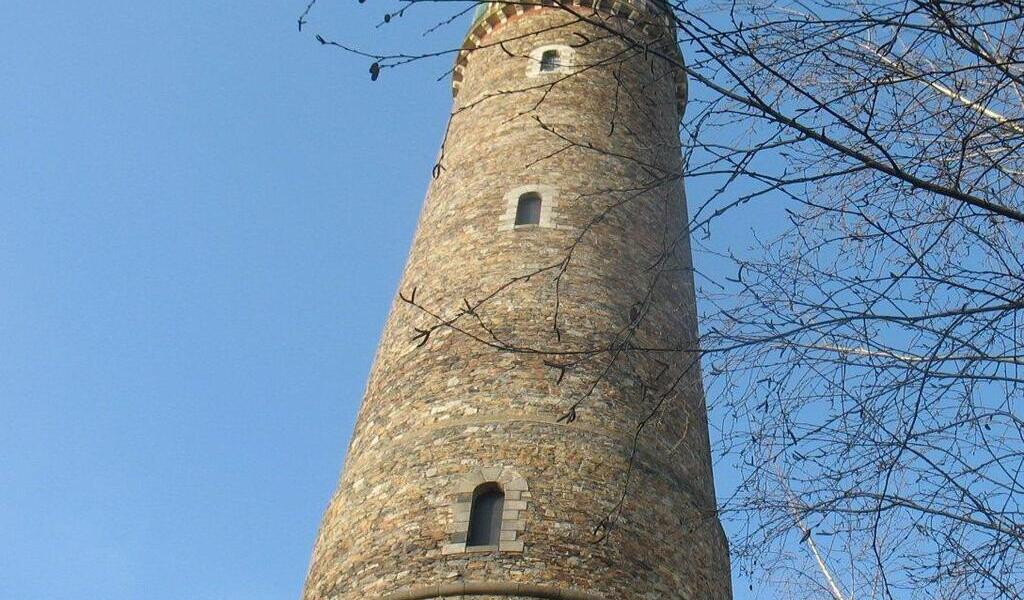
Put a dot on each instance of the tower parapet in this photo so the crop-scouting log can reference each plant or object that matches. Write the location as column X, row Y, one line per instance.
column 462, row 477
column 649, row 20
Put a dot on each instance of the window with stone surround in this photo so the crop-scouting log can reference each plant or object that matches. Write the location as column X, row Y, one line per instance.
column 534, row 205
column 549, row 59
column 491, row 501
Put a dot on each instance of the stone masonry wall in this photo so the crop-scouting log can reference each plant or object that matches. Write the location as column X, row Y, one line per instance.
column 603, row 139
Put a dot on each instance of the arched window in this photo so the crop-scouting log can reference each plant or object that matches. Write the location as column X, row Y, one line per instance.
column 485, row 515
column 549, row 61
column 550, row 58
column 528, row 209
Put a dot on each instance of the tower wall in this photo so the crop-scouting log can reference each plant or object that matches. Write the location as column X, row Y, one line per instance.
column 439, row 419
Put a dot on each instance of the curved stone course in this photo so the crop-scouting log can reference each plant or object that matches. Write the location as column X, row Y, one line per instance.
column 503, row 590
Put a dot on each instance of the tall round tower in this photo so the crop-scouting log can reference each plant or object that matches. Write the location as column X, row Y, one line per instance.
column 534, row 424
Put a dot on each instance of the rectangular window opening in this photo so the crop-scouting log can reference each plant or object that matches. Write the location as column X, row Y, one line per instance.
column 528, row 209
column 549, row 61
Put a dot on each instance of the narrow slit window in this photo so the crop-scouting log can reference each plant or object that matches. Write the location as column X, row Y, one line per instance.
column 485, row 515
column 528, row 209
column 549, row 61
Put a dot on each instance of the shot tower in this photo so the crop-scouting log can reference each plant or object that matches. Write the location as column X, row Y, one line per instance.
column 499, row 457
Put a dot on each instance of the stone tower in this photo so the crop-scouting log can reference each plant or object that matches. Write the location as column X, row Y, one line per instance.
column 469, row 474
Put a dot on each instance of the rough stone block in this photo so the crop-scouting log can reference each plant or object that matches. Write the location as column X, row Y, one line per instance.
column 516, row 546
column 513, row 525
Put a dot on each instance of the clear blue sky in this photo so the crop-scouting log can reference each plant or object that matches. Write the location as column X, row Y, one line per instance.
column 203, row 217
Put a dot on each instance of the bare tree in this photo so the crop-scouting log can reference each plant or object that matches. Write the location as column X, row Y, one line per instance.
column 863, row 361
column 890, row 304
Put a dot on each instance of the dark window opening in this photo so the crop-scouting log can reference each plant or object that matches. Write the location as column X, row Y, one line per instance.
column 485, row 515
column 528, row 210
column 549, row 60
